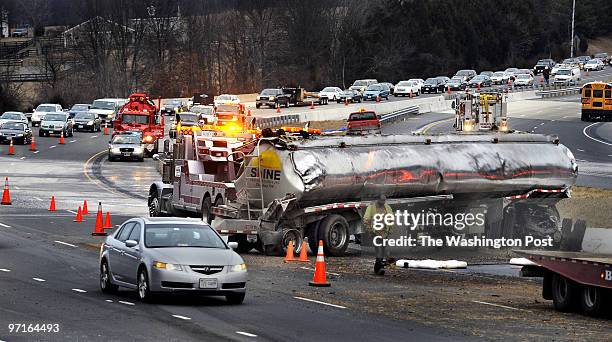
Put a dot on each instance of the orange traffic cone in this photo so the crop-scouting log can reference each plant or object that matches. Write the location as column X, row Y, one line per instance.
column 85, row 211
column 6, row 195
column 99, row 228
column 346, row 101
column 448, row 89
column 289, row 257
column 478, row 86
column 311, row 104
column 33, row 144
column 278, row 107
column 320, row 276
column 410, row 95
column 105, row 128
column 377, row 98
column 79, row 216
column 304, row 251
column 107, row 222
column 62, row 142
column 52, row 204
column 11, row 149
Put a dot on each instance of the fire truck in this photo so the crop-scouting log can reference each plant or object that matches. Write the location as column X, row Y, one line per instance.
column 140, row 114
column 478, row 112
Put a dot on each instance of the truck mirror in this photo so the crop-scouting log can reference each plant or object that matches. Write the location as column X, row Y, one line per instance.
column 155, row 157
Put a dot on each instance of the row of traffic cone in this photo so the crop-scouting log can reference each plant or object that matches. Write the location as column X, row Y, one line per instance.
column 320, row 274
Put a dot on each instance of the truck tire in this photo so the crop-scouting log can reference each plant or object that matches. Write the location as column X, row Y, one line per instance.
column 334, row 231
column 155, row 206
column 207, row 210
column 592, row 300
column 291, row 234
column 564, row 293
column 244, row 246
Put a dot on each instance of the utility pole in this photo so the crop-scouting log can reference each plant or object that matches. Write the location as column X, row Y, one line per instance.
column 572, row 37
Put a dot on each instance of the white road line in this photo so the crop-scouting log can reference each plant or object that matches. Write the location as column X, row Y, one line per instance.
column 4, row 270
column 79, row 290
column 39, row 280
column 541, row 124
column 16, row 187
column 52, row 146
column 4, row 225
column 246, row 334
column 37, row 198
column 319, row 302
column 579, row 150
column 108, row 301
column 584, row 131
column 35, row 152
column 499, row 306
column 182, row 317
column 22, row 158
column 72, row 141
column 126, row 303
column 94, row 136
column 65, row 243
column 71, row 211
column 535, row 127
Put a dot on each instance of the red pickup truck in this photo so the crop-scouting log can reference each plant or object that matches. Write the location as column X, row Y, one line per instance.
column 363, row 122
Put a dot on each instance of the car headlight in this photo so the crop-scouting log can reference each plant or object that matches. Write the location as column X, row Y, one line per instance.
column 20, row 135
column 138, row 150
column 272, row 98
column 165, row 266
column 237, row 268
column 90, row 122
column 115, row 150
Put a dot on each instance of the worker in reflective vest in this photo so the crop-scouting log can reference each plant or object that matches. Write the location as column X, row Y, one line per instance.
column 374, row 220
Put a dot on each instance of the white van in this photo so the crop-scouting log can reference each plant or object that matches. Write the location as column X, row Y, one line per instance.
column 106, row 108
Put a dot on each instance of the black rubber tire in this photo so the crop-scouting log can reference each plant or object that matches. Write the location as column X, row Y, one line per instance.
column 244, row 246
column 294, row 235
column 331, row 231
column 41, row 133
column 257, row 105
column 144, row 294
column 564, row 293
column 593, row 300
column 105, row 279
column 155, row 207
column 235, row 298
column 312, row 232
column 207, row 209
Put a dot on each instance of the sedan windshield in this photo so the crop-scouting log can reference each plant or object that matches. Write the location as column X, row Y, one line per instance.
column 98, row 104
column 55, row 117
column 79, row 107
column 181, row 235
column 14, row 126
column 133, row 118
column 126, row 139
column 84, row 116
column 431, row 81
column 499, row 74
column 375, row 87
column 360, row 83
column 329, row 89
column 187, row 117
column 46, row 109
column 269, row 92
column 564, row 72
column 202, row 110
column 403, row 83
column 523, row 76
column 10, row 116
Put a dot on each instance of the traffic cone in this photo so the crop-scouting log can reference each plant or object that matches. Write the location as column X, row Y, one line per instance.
column 11, row 149
column 33, row 144
column 320, row 276
column 312, row 105
column 107, row 222
column 478, row 86
column 377, row 98
column 448, row 89
column 6, row 195
column 79, row 216
column 85, row 211
column 62, row 142
column 99, row 228
column 304, row 251
column 346, row 102
column 278, row 107
column 106, row 128
column 410, row 95
column 52, row 204
column 289, row 257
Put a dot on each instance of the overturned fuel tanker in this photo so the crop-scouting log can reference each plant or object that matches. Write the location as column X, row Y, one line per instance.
column 265, row 192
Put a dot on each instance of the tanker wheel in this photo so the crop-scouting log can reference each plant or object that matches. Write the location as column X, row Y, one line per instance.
column 593, row 300
column 312, row 231
column 564, row 293
column 334, row 231
column 207, row 210
column 291, row 234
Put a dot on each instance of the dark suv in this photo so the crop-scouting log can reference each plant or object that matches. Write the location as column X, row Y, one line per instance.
column 433, row 85
column 272, row 97
column 542, row 64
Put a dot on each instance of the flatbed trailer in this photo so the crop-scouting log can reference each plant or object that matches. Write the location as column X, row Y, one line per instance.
column 574, row 281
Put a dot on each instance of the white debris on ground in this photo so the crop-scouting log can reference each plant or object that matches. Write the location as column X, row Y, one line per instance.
column 521, row 262
column 431, row 264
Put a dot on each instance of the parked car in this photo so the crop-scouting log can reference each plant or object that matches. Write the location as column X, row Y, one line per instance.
column 17, row 131
column 362, row 85
column 56, row 123
column 169, row 255
column 567, row 76
column 107, row 108
column 391, row 87
column 433, row 85
column 583, row 60
column 542, row 64
column 79, row 108
column 457, row 83
column 363, row 122
column 12, row 117
column 420, row 81
column 512, row 73
column 480, row 81
column 350, row 96
column 226, row 99
column 332, row 93
column 523, row 80
column 467, row 74
column 126, row 146
column 524, row 71
column 87, row 122
column 444, row 79
column 487, row 73
column 603, row 56
column 594, row 65
column 20, row 32
column 171, row 107
column 375, row 91
column 572, row 62
column 206, row 113
column 500, row 77
column 556, row 68
column 43, row 109
column 272, row 97
column 407, row 88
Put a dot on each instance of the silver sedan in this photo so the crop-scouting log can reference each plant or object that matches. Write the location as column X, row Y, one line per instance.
column 155, row 255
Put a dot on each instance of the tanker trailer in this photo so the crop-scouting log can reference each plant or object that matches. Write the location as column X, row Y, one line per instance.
column 320, row 187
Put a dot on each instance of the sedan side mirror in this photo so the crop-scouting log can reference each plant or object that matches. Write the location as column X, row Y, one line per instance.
column 233, row 245
column 131, row 243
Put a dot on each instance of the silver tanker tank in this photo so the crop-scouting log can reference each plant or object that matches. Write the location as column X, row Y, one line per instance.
column 342, row 169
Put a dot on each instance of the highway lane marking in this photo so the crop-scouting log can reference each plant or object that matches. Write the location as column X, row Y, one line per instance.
column 246, row 334
column 65, row 243
column 4, row 270
column 320, row 302
column 79, row 290
column 18, row 188
column 35, row 152
column 584, row 131
column 541, row 124
column 71, row 211
column 40, row 280
column 499, row 305
column 97, row 182
column 312, row 269
column 579, row 150
column 53, row 146
column 431, row 125
column 37, row 198
column 22, row 158
column 4, row 225
column 126, row 303
column 72, row 141
column 185, row 318
column 94, row 136
column 108, row 301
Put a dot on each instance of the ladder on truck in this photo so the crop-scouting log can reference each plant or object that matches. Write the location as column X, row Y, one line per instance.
column 259, row 198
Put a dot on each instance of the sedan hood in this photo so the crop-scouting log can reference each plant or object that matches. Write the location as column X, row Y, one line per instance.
column 11, row 131
column 196, row 256
column 54, row 123
column 125, row 145
column 101, row 111
column 8, row 120
column 372, row 92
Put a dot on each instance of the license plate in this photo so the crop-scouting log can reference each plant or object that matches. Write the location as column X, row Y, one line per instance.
column 126, row 154
column 208, row 283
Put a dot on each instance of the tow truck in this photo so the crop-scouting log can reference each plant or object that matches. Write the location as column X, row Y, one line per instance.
column 234, row 118
column 142, row 115
column 481, row 112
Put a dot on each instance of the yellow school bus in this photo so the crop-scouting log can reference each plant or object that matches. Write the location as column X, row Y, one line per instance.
column 596, row 101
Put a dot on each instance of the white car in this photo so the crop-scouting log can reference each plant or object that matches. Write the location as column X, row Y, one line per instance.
column 500, row 77
column 13, row 116
column 420, row 81
column 106, row 108
column 206, row 113
column 593, row 65
column 332, row 93
column 407, row 88
column 567, row 76
column 556, row 68
column 362, row 85
column 226, row 99
column 523, row 80
column 42, row 109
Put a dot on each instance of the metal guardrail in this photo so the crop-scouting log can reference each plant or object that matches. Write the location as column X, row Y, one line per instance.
column 399, row 114
column 278, row 121
column 25, row 77
column 559, row 92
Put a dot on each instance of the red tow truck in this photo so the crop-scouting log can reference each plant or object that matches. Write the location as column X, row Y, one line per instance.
column 140, row 114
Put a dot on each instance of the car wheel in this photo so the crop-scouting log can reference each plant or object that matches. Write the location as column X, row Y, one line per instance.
column 257, row 105
column 144, row 288
column 106, row 284
column 235, row 298
column 287, row 104
column 207, row 210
